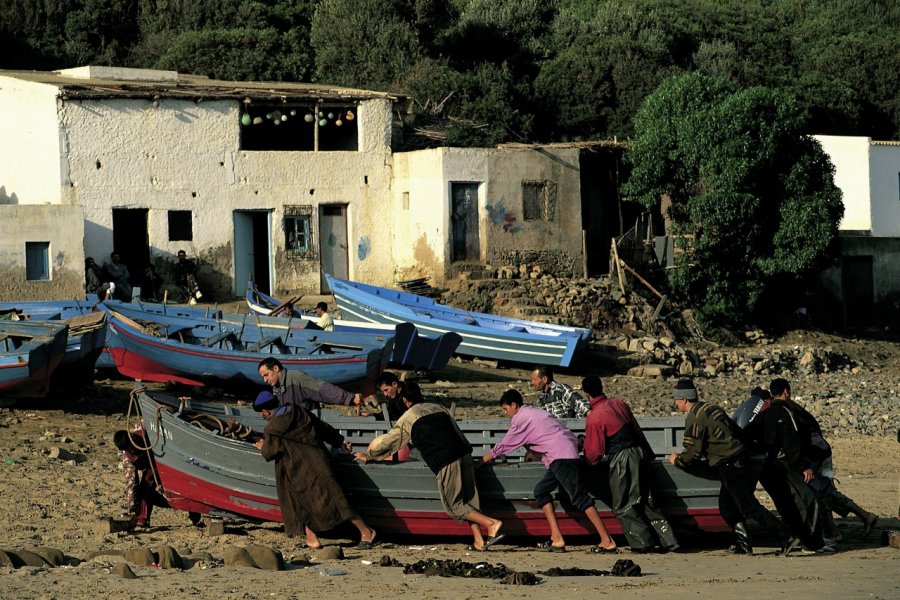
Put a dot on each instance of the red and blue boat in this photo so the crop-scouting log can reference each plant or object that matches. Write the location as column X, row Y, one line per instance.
column 204, row 471
column 30, row 351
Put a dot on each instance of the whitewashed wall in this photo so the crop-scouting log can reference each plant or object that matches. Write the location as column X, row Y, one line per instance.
column 885, row 169
column 850, row 157
column 62, row 227
column 182, row 155
column 29, row 144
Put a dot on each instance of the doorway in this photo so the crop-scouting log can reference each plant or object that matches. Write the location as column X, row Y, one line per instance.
column 334, row 253
column 464, row 240
column 252, row 241
column 858, row 286
column 131, row 240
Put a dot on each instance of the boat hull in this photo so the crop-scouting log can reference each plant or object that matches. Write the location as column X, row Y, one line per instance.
column 506, row 339
column 30, row 352
column 178, row 354
column 211, row 474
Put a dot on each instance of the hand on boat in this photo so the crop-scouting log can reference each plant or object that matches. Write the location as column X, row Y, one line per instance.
column 361, row 456
column 671, row 458
column 259, row 443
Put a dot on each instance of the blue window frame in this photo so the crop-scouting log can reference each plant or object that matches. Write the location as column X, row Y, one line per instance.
column 37, row 261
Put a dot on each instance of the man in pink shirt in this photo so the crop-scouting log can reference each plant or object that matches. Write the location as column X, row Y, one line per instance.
column 613, row 438
column 541, row 433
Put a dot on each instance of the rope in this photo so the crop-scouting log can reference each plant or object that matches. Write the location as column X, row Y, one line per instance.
column 132, row 402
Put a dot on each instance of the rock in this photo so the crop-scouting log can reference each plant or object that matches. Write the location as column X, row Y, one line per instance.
column 105, row 553
column 123, row 571
column 142, row 557
column 650, row 371
column 686, row 369
column 54, row 557
column 10, row 560
column 29, row 559
column 215, row 528
column 239, row 557
column 331, row 553
column 266, row 558
column 168, row 558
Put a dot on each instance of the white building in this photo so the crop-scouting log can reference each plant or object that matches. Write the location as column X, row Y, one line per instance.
column 866, row 281
column 279, row 181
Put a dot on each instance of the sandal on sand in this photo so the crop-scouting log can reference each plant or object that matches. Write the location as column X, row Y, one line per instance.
column 472, row 548
column 493, row 539
column 870, row 525
column 549, row 547
column 367, row 544
column 602, row 550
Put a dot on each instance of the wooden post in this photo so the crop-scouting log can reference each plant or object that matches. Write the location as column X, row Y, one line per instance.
column 617, row 263
column 584, row 257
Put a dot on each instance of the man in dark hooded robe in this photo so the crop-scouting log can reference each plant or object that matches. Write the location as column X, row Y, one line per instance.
column 310, row 497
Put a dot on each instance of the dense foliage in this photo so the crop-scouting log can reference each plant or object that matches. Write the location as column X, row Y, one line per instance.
column 752, row 199
column 481, row 71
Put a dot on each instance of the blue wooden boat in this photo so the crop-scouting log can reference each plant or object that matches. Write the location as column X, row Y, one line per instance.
column 483, row 335
column 155, row 347
column 87, row 327
column 204, row 471
column 410, row 351
column 30, row 351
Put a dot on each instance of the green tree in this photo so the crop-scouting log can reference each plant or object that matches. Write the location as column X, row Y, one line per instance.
column 369, row 44
column 752, row 192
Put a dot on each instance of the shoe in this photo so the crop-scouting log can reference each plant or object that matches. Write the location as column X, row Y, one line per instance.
column 493, row 539
column 822, row 550
column 870, row 525
column 472, row 548
column 602, row 550
column 740, row 550
column 788, row 545
column 644, row 550
column 367, row 544
column 549, row 547
column 672, row 548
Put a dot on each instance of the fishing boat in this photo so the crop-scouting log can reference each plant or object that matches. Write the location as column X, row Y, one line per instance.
column 86, row 333
column 419, row 353
column 483, row 335
column 160, row 347
column 204, row 471
column 30, row 351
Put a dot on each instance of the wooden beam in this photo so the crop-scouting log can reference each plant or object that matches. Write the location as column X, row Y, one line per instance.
column 641, row 279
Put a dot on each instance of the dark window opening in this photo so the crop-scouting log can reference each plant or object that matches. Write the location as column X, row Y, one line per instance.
column 281, row 127
column 181, row 228
column 37, row 261
column 538, row 200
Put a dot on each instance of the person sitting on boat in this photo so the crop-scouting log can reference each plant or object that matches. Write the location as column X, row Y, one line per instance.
column 394, row 392
column 447, row 453
column 141, row 492
column 613, row 436
column 325, row 321
column 558, row 399
column 186, row 277
column 539, row 431
column 711, row 435
column 299, row 389
column 310, row 497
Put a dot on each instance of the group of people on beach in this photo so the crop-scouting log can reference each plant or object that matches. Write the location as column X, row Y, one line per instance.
column 771, row 440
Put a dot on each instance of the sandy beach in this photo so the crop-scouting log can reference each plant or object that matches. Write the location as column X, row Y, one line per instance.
column 51, row 501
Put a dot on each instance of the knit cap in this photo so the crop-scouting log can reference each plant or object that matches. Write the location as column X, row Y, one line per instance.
column 685, row 390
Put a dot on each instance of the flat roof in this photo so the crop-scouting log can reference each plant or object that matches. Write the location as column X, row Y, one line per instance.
column 115, row 82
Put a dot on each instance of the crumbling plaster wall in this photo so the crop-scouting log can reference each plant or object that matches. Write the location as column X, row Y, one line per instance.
column 29, row 154
column 422, row 180
column 185, row 155
column 62, row 227
column 555, row 242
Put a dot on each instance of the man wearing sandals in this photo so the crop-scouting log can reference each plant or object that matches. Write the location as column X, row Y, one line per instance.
column 311, row 499
column 447, row 453
column 541, row 433
column 613, row 437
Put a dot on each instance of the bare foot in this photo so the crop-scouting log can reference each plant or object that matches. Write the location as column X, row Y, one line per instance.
column 495, row 529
